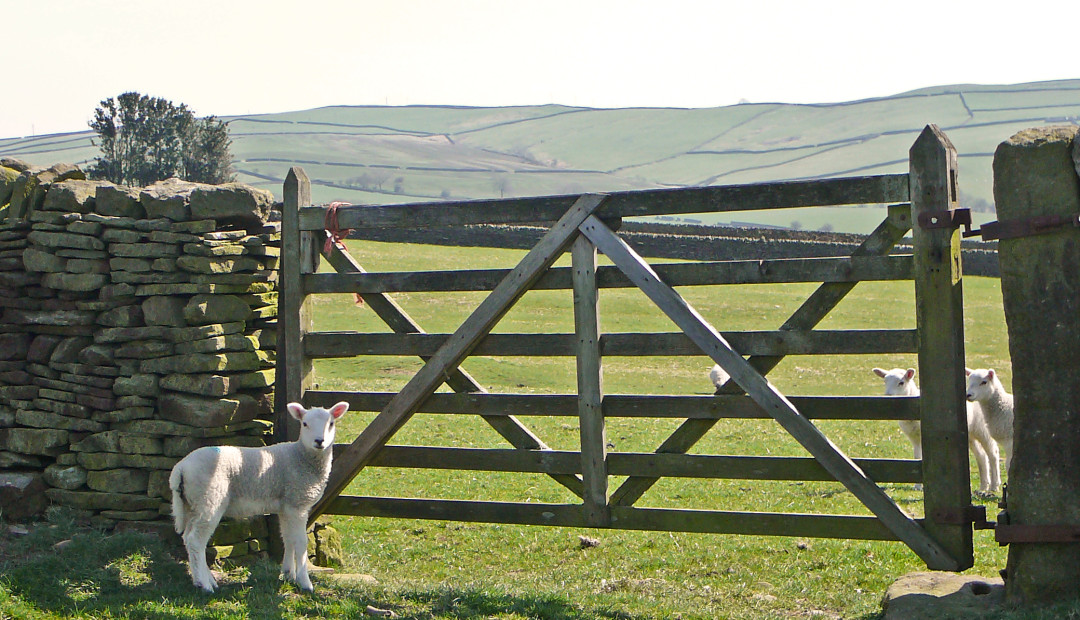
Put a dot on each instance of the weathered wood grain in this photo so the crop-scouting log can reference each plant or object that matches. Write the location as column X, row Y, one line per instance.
column 776, row 343
column 774, row 271
column 939, row 317
column 712, row 408
column 721, row 198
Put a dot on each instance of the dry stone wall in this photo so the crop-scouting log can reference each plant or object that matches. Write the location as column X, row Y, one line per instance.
column 136, row 325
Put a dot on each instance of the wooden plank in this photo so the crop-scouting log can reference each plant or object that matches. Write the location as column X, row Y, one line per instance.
column 627, row 463
column 766, row 395
column 646, row 519
column 939, row 315
column 806, row 317
column 294, row 369
column 636, row 406
column 720, row 198
column 474, row 328
column 775, row 271
column 590, row 384
column 509, row 427
column 775, row 343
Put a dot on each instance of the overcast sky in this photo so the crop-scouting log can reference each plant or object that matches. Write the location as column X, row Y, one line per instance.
column 227, row 57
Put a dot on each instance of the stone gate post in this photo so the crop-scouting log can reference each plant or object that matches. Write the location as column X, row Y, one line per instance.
column 1035, row 175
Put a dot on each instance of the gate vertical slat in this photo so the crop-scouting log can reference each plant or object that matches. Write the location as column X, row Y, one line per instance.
column 298, row 256
column 939, row 315
column 590, row 384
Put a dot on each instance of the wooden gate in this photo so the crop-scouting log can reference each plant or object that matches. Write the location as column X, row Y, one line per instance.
column 583, row 226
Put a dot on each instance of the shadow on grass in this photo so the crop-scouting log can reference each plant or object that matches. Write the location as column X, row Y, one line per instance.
column 125, row 575
column 469, row 603
column 135, row 575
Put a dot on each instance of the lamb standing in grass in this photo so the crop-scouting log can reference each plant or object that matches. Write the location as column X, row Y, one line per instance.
column 985, row 388
column 285, row 479
column 900, row 382
column 718, row 376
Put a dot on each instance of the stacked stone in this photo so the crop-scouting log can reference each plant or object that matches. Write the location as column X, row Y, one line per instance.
column 52, row 304
column 137, row 326
column 198, row 264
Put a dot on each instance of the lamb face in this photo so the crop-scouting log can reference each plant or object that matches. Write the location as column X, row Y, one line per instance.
column 317, row 425
column 981, row 384
column 898, row 381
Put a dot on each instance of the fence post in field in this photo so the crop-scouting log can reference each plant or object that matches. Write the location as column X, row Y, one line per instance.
column 939, row 316
column 299, row 254
column 590, row 384
column 1035, row 175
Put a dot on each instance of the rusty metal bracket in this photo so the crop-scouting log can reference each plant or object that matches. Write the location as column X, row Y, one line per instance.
column 975, row 515
column 1012, row 229
column 1010, row 533
column 949, row 218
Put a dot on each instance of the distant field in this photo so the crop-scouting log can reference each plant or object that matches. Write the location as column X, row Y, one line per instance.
column 382, row 155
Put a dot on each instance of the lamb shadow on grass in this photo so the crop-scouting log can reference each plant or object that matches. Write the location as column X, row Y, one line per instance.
column 129, row 574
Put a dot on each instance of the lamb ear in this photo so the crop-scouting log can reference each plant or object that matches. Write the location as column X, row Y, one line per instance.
column 967, row 371
column 910, row 373
column 990, row 374
column 339, row 409
column 296, row 410
column 879, row 372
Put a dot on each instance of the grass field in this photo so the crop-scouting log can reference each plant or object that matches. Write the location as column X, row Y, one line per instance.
column 430, row 569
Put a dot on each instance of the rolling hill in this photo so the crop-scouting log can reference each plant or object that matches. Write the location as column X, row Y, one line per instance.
column 379, row 155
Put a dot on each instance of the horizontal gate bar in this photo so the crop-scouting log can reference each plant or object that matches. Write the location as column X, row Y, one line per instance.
column 775, row 271
column 635, row 406
column 880, row 189
column 626, row 463
column 781, row 342
column 624, row 518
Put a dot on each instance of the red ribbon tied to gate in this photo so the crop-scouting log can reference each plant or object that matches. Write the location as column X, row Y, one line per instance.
column 334, row 235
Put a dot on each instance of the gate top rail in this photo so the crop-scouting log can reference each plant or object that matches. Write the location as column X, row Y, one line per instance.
column 889, row 188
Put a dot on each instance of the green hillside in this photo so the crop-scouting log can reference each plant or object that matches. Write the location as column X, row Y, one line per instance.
column 378, row 155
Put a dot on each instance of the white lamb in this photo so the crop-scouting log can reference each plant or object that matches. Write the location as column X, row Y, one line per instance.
column 900, row 382
column 985, row 388
column 718, row 376
column 285, row 479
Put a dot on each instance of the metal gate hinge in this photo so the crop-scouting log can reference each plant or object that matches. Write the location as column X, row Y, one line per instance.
column 1012, row 229
column 1015, row 533
column 949, row 218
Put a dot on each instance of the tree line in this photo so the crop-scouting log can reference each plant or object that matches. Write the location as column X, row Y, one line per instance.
column 146, row 139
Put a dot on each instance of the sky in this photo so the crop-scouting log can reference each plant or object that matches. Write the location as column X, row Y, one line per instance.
column 232, row 57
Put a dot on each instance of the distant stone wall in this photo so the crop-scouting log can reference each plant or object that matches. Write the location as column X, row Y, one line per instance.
column 686, row 242
column 136, row 325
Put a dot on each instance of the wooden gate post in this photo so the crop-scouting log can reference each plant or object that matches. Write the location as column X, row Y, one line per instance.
column 1035, row 175
column 299, row 255
column 590, row 384
column 939, row 316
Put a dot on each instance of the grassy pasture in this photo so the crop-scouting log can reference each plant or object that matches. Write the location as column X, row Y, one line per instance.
column 431, row 569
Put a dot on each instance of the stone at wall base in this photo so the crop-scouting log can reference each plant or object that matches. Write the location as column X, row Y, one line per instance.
column 942, row 595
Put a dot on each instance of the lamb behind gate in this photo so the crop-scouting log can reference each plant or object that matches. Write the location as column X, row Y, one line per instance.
column 900, row 382
column 985, row 389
